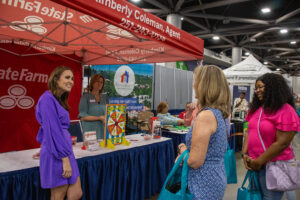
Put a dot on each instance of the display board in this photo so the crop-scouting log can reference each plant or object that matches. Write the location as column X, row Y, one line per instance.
column 115, row 123
column 130, row 81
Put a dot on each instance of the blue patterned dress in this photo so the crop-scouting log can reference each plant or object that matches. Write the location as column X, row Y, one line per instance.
column 209, row 181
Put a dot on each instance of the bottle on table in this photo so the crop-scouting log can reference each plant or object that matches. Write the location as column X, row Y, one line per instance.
column 157, row 130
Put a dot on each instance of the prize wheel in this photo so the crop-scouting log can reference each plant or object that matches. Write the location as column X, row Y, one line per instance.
column 116, row 123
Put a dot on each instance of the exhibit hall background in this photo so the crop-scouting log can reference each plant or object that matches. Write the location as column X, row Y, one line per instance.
column 172, row 85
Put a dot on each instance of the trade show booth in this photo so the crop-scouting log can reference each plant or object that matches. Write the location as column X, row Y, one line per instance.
column 85, row 32
column 36, row 37
column 245, row 73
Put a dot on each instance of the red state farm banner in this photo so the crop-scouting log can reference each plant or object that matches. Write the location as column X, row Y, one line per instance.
column 22, row 81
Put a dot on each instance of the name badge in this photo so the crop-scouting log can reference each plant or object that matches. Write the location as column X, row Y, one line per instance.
column 92, row 100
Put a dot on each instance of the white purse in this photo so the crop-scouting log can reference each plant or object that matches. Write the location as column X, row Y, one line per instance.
column 281, row 175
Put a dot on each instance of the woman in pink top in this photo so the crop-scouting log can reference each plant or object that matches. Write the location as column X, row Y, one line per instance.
column 191, row 113
column 274, row 101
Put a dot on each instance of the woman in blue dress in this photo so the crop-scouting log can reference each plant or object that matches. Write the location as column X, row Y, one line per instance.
column 92, row 107
column 58, row 166
column 207, row 140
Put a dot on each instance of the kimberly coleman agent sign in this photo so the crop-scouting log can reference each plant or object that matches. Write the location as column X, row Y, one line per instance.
column 98, row 31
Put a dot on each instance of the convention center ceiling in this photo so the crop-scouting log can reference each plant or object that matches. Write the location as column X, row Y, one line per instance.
column 268, row 29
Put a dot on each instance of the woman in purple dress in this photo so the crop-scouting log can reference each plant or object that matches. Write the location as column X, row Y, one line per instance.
column 58, row 166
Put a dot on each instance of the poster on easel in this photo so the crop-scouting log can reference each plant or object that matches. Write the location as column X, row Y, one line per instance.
column 115, row 122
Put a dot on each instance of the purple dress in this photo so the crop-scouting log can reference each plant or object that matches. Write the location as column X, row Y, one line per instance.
column 56, row 142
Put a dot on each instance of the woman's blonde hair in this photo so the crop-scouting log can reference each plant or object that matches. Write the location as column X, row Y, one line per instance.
column 54, row 88
column 212, row 89
column 161, row 106
column 94, row 79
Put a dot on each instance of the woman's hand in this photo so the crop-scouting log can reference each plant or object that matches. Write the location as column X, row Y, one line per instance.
column 67, row 170
column 192, row 106
column 36, row 155
column 102, row 118
column 181, row 148
column 245, row 158
column 254, row 164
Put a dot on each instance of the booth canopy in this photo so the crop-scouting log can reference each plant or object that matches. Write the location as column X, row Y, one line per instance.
column 98, row 31
column 246, row 71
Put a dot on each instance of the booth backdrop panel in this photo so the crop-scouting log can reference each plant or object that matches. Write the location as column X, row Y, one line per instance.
column 22, row 81
column 138, row 83
column 174, row 86
column 237, row 89
column 168, row 86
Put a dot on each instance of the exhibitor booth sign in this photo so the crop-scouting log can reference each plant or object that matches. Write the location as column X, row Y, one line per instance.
column 22, row 82
column 98, row 31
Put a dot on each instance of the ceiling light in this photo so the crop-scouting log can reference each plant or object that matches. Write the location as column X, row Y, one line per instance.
column 293, row 42
column 247, row 54
column 283, row 31
column 265, row 10
column 278, row 69
column 181, row 18
column 265, row 63
column 216, row 38
column 135, row 1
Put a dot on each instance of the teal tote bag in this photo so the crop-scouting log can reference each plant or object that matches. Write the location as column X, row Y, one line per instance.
column 252, row 192
column 230, row 165
column 175, row 186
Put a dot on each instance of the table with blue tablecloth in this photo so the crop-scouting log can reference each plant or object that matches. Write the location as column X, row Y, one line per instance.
column 130, row 172
column 236, row 136
column 176, row 136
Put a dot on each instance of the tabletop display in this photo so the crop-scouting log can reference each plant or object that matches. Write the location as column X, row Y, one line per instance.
column 115, row 121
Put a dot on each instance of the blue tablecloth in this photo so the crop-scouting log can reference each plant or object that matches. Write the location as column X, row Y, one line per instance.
column 232, row 139
column 176, row 138
column 236, row 136
column 130, row 174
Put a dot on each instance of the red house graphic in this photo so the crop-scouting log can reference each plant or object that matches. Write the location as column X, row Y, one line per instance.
column 125, row 77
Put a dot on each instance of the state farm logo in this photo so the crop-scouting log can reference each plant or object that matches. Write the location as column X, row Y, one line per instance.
column 30, row 23
column 16, row 97
column 116, row 32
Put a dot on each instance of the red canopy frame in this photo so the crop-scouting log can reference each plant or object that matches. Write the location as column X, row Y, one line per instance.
column 98, row 31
